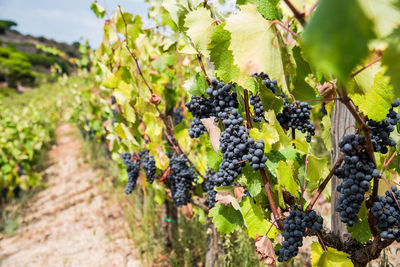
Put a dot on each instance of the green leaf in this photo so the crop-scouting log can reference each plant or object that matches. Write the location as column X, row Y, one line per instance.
column 284, row 174
column 212, row 158
column 317, row 169
column 225, row 218
column 363, row 81
column 200, row 28
column 255, row 45
column 177, row 9
column 270, row 101
column 267, row 8
column 153, row 126
column 254, row 216
column 383, row 13
column 337, row 43
column 221, row 56
column 302, row 90
column 329, row 258
column 129, row 112
column 390, row 59
column 110, row 81
column 252, row 180
column 98, row 10
column 378, row 99
column 326, row 131
column 360, row 231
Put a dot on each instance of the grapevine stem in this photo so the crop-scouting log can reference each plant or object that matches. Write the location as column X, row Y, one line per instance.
column 297, row 14
column 203, row 68
column 285, row 27
column 325, row 182
column 271, row 199
column 247, row 108
column 322, row 242
column 366, row 66
column 303, row 189
column 262, row 171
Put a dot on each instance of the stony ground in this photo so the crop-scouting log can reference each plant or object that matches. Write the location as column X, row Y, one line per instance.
column 73, row 222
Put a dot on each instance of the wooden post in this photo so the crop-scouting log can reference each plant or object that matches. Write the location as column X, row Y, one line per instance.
column 343, row 123
column 214, row 248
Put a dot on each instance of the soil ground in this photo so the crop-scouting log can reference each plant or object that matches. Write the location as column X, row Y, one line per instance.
column 73, row 222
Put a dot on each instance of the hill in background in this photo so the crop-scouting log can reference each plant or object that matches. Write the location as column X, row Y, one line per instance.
column 26, row 61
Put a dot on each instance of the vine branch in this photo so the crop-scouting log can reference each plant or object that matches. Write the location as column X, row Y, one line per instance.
column 297, row 14
column 325, row 182
column 267, row 186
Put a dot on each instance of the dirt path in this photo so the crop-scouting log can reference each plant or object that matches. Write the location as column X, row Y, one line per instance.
column 72, row 222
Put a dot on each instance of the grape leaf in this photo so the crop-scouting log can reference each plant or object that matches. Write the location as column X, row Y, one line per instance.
column 222, row 58
column 252, row 180
column 378, row 99
column 284, row 174
column 383, row 13
column 302, row 90
column 317, row 170
column 225, row 218
column 200, row 28
column 333, row 51
column 98, row 10
column 267, row 8
column 332, row 257
column 250, row 35
column 360, row 231
column 326, row 131
column 390, row 59
column 254, row 216
column 177, row 9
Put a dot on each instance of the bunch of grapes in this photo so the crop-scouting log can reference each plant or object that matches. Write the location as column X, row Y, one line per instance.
column 197, row 128
column 268, row 83
column 178, row 115
column 233, row 145
column 201, row 108
column 297, row 116
column 385, row 209
column 208, row 187
column 258, row 108
column 132, row 169
column 181, row 180
column 295, row 229
column 357, row 171
column 222, row 98
column 148, row 164
column 256, row 155
column 380, row 131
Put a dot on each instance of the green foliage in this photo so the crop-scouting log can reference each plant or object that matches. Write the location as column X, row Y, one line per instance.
column 331, row 257
column 27, row 123
column 6, row 25
column 337, row 51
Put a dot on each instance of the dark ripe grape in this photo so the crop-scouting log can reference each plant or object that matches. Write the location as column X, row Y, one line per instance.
column 148, row 164
column 181, row 179
column 233, row 145
column 386, row 211
column 380, row 131
column 258, row 108
column 201, row 108
column 357, row 170
column 266, row 80
column 295, row 229
column 208, row 187
column 256, row 155
column 178, row 115
column 296, row 116
column 132, row 169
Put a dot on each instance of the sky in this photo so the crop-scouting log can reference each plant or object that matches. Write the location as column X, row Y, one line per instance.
column 65, row 20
